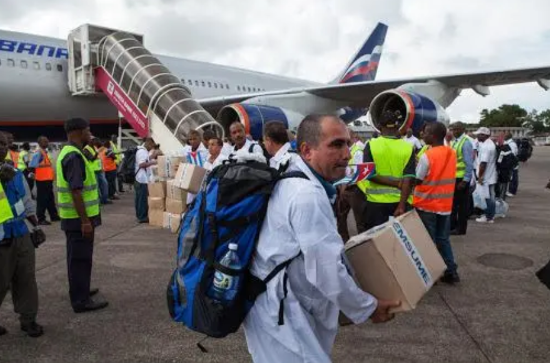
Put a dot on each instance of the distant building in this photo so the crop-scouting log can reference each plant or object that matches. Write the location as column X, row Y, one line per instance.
column 362, row 128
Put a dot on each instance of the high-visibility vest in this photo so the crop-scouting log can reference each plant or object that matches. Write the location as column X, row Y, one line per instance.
column 356, row 152
column 44, row 170
column 390, row 158
column 108, row 163
column 435, row 193
column 421, row 152
column 22, row 163
column 90, row 193
column 13, row 156
column 95, row 164
column 6, row 211
column 118, row 156
column 460, row 164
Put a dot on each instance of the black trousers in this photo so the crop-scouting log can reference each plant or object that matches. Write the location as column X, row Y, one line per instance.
column 18, row 270
column 45, row 200
column 141, row 203
column 376, row 214
column 461, row 209
column 79, row 266
column 111, row 182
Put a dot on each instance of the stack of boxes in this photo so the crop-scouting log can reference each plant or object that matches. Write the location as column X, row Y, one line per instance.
column 173, row 180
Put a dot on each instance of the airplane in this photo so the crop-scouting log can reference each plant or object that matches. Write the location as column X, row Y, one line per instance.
column 33, row 85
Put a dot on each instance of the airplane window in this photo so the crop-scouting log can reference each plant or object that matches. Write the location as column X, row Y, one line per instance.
column 190, row 82
column 36, row 65
column 215, row 85
column 209, row 85
column 60, row 68
column 23, row 64
column 203, row 84
column 226, row 86
column 11, row 63
column 238, row 88
column 196, row 83
column 183, row 81
column 48, row 67
column 248, row 89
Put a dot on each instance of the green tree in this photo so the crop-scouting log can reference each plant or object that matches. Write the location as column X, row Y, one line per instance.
column 504, row 116
column 537, row 122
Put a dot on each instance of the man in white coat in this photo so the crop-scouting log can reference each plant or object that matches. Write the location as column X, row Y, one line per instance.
column 300, row 223
column 277, row 144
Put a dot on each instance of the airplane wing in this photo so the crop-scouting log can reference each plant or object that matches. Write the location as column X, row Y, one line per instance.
column 360, row 94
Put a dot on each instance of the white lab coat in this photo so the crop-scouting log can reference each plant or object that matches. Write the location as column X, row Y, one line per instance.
column 300, row 218
column 281, row 157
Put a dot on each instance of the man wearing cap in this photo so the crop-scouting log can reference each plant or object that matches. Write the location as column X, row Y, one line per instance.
column 464, row 171
column 389, row 191
column 487, row 171
column 78, row 199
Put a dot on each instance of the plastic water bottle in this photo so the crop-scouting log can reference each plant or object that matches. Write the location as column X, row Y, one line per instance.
column 224, row 287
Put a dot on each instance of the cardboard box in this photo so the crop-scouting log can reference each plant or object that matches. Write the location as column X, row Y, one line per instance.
column 174, row 192
column 156, row 204
column 175, row 206
column 157, row 189
column 156, row 218
column 168, row 165
column 189, row 177
column 396, row 261
column 171, row 221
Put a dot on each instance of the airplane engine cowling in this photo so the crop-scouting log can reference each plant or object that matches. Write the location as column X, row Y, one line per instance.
column 254, row 117
column 415, row 108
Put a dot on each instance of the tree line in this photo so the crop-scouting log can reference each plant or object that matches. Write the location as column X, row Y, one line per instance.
column 516, row 116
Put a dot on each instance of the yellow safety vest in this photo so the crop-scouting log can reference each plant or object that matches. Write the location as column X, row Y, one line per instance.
column 95, row 164
column 354, row 157
column 460, row 164
column 421, row 152
column 90, row 193
column 390, row 158
column 118, row 157
column 22, row 164
column 5, row 210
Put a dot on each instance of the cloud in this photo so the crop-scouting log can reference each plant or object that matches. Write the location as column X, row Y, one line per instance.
column 314, row 39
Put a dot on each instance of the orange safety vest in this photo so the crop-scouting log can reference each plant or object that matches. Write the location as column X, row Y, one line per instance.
column 435, row 193
column 109, row 164
column 14, row 157
column 44, row 170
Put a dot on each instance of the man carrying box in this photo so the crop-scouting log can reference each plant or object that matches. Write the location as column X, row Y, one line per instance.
column 434, row 193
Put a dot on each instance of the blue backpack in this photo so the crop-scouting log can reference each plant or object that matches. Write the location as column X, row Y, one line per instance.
column 230, row 207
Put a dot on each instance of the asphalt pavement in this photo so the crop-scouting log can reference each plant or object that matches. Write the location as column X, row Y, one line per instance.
column 498, row 313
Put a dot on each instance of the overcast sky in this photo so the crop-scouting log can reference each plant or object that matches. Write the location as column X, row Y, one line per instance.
column 314, row 39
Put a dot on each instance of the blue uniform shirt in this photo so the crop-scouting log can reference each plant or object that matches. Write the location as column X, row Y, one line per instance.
column 17, row 190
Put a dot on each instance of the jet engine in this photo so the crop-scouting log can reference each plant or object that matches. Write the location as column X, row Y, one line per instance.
column 254, row 117
column 415, row 108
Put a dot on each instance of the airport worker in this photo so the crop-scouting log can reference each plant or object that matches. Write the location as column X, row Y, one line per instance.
column 296, row 319
column 242, row 144
column 277, row 144
column 108, row 160
column 143, row 175
column 92, row 153
column 23, row 164
column 78, row 198
column 464, row 172
column 388, row 193
column 44, row 176
column 17, row 250
column 195, row 151
column 13, row 154
column 118, row 160
column 434, row 193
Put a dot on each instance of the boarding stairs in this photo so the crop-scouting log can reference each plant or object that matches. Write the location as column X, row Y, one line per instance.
column 151, row 99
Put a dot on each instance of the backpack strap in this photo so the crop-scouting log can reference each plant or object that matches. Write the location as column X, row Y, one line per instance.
column 251, row 147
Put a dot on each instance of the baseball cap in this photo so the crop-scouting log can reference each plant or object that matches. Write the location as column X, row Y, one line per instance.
column 391, row 118
column 483, row 131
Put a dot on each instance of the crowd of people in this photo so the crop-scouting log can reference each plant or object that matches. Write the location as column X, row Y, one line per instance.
column 437, row 174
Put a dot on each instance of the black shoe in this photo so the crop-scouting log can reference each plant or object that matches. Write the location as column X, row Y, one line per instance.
column 144, row 221
column 56, row 219
column 93, row 292
column 32, row 329
column 90, row 306
column 454, row 232
column 451, row 278
column 107, row 202
column 3, row 331
column 44, row 223
column 114, row 197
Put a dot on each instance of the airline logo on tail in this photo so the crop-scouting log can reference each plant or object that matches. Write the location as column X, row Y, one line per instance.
column 364, row 65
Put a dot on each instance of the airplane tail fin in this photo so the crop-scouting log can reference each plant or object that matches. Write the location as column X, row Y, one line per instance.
column 364, row 64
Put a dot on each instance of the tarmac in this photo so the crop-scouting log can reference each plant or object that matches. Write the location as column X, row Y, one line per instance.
column 500, row 312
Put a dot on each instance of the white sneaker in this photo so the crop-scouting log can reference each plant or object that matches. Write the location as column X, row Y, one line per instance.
column 508, row 194
column 483, row 219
